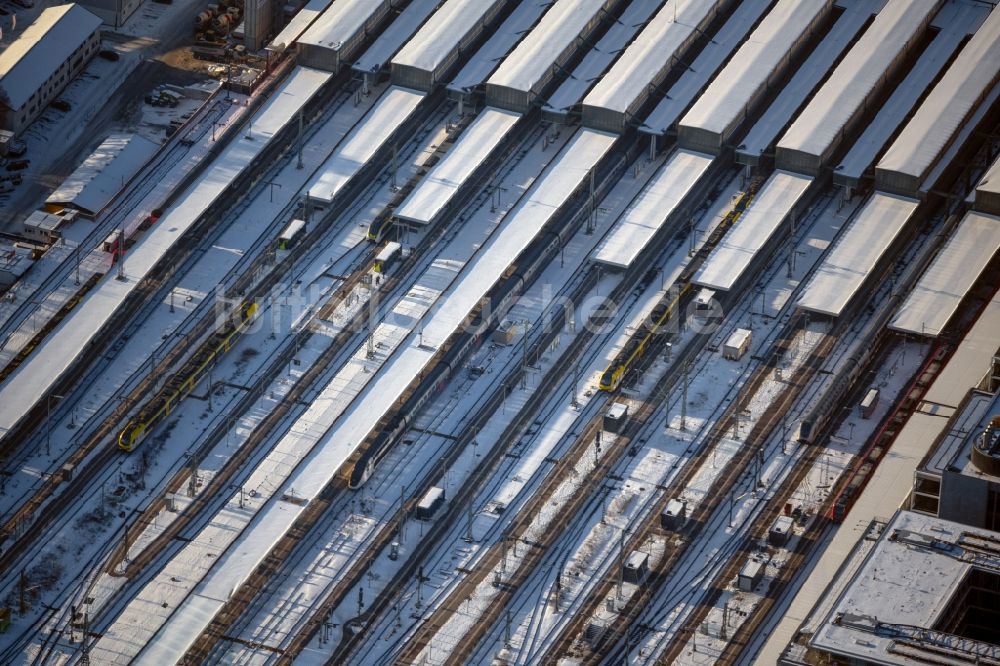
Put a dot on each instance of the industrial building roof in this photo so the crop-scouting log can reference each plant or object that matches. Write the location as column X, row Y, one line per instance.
column 104, row 173
column 395, row 35
column 889, row 612
column 45, row 45
column 298, row 25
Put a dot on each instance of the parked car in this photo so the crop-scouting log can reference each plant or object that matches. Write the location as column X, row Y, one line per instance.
column 18, row 165
column 60, row 104
column 108, row 54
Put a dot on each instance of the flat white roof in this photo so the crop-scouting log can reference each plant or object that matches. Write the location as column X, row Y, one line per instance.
column 807, row 77
column 883, row 590
column 103, row 174
column 946, row 107
column 617, row 410
column 298, row 25
column 53, row 356
column 855, row 253
column 650, row 53
column 530, row 62
column 651, row 208
column 479, row 66
column 864, row 151
column 391, row 248
column 442, row 33
column 378, row 125
column 294, row 227
column 340, row 22
column 705, row 66
column 822, row 121
column 571, row 91
column 737, row 249
column 28, row 62
column 393, row 37
column 753, row 65
column 437, row 188
column 739, row 338
column 948, row 279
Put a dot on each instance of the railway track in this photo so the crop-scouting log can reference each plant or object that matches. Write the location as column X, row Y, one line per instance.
column 53, row 496
column 306, row 524
column 486, row 563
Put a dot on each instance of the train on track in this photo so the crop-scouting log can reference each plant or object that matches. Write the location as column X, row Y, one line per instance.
column 179, row 385
column 671, row 302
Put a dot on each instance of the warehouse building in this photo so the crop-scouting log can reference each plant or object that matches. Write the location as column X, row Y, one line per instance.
column 36, row 67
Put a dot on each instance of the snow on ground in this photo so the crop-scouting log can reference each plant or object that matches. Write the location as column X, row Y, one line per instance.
column 171, row 318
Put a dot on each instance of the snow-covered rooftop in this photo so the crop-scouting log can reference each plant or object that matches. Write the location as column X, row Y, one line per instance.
column 806, row 78
column 903, row 99
column 769, row 208
column 104, row 173
column 298, row 25
column 651, row 208
column 815, row 133
column 974, row 71
column 443, row 32
column 42, row 48
column 391, row 111
column 693, row 80
column 339, row 23
column 532, row 60
column 942, row 287
column 855, row 253
column 905, row 583
column 394, row 36
column 652, row 52
column 476, row 143
column 738, row 85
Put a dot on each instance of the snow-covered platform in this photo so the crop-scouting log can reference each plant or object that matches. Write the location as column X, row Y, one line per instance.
column 742, row 83
column 438, row 43
column 855, row 253
column 959, row 18
column 651, row 208
column 363, row 142
column 905, row 166
column 480, row 65
column 60, row 348
column 765, row 131
column 646, row 61
column 704, row 67
column 948, row 279
column 529, row 68
column 385, row 46
column 571, row 91
column 770, row 207
column 896, row 31
column 429, row 198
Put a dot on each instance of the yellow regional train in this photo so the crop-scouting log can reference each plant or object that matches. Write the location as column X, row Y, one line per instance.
column 671, row 302
column 179, row 385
